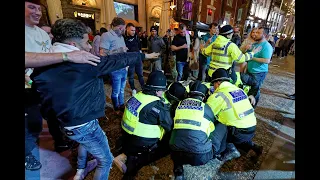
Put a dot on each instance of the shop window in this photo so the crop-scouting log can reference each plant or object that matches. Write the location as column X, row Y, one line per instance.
column 229, row 3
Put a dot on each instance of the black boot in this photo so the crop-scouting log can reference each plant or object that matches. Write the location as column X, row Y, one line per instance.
column 230, row 153
column 178, row 173
column 257, row 149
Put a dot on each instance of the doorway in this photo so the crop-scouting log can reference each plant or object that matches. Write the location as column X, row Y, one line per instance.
column 88, row 22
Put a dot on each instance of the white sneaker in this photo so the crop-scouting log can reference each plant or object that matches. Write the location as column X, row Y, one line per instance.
column 134, row 92
column 82, row 173
column 120, row 162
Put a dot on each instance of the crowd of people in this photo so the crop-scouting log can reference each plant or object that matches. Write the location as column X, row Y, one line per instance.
column 207, row 111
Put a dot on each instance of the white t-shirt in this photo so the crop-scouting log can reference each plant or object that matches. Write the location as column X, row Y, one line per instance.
column 36, row 40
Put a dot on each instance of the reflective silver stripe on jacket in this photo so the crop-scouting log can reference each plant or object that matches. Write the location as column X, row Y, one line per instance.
column 127, row 126
column 224, row 97
column 246, row 113
column 239, row 57
column 187, row 121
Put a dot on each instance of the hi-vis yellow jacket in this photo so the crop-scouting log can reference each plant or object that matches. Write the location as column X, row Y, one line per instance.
column 223, row 52
column 231, row 106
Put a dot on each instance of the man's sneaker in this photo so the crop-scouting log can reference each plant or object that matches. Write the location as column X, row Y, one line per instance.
column 134, row 92
column 257, row 149
column 230, row 153
column 120, row 162
column 82, row 173
column 31, row 163
column 178, row 173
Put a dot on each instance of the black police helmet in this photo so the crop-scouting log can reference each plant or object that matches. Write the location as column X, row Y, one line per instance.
column 156, row 81
column 176, row 92
column 197, row 88
column 225, row 30
column 220, row 75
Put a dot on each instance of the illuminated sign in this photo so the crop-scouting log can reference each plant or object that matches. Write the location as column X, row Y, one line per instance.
column 83, row 15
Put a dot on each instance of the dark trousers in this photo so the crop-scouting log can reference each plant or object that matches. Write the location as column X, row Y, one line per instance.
column 241, row 137
column 138, row 68
column 219, row 138
column 255, row 80
column 33, row 127
column 55, row 128
column 135, row 161
column 203, row 67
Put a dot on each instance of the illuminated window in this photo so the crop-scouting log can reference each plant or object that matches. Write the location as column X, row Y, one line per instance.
column 229, row 3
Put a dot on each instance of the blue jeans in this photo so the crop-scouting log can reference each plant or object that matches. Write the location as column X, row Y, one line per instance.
column 119, row 78
column 182, row 68
column 93, row 140
column 202, row 67
column 138, row 68
column 254, row 80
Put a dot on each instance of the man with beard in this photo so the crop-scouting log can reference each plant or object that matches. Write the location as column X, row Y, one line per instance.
column 258, row 65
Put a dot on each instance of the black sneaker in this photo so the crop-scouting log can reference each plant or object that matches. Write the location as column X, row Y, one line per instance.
column 31, row 163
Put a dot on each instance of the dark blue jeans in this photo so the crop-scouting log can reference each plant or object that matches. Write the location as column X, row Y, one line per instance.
column 33, row 127
column 241, row 137
column 119, row 78
column 93, row 140
column 219, row 138
column 202, row 67
column 255, row 80
column 138, row 68
column 182, row 68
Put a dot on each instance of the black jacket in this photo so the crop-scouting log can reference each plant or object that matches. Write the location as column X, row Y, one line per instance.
column 75, row 92
column 155, row 113
column 192, row 141
column 132, row 42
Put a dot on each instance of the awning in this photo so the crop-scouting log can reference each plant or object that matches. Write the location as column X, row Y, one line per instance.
column 134, row 22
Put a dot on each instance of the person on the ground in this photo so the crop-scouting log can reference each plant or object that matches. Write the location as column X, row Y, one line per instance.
column 112, row 42
column 203, row 60
column 133, row 44
column 146, row 125
column 257, row 67
column 196, row 137
column 78, row 116
column 232, row 107
column 156, row 45
column 96, row 42
column 180, row 47
column 223, row 53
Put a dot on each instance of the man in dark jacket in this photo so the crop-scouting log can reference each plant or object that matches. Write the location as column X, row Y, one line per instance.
column 75, row 93
column 133, row 44
column 147, row 125
column 196, row 136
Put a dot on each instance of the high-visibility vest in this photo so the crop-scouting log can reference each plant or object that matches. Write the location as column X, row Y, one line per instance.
column 223, row 53
column 130, row 120
column 239, row 84
column 239, row 112
column 190, row 115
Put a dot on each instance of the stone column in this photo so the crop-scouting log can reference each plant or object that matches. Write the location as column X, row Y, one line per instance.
column 54, row 10
column 142, row 14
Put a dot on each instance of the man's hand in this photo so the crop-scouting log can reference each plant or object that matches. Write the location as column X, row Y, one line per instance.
column 83, row 57
column 248, row 46
column 152, row 55
column 252, row 100
column 208, row 41
column 184, row 46
column 257, row 49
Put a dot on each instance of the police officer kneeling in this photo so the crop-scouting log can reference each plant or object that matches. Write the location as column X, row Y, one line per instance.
column 196, row 136
column 147, row 124
column 232, row 107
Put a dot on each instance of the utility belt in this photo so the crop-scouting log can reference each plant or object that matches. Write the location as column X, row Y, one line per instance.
column 232, row 129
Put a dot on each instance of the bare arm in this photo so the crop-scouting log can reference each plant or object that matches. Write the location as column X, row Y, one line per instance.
column 105, row 52
column 175, row 48
column 45, row 59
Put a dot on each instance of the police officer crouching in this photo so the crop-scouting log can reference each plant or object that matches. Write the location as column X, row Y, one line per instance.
column 196, row 136
column 232, row 107
column 147, row 124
